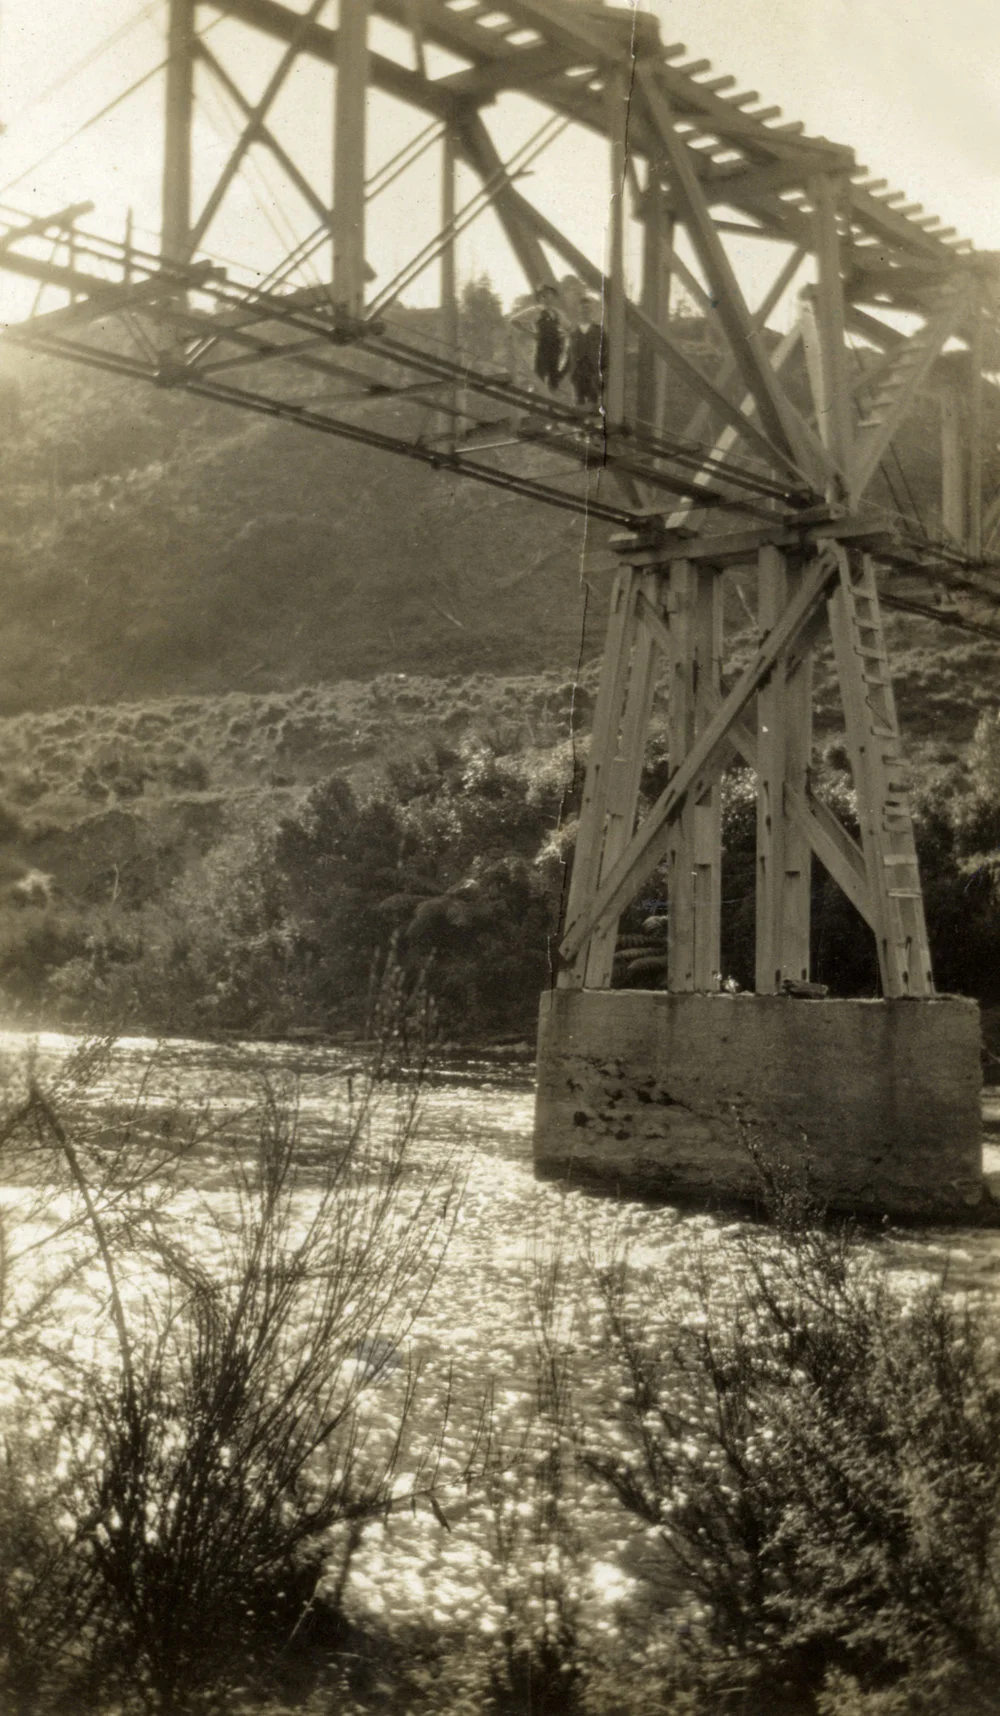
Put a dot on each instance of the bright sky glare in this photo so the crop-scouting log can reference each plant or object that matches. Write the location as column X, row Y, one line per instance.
column 912, row 85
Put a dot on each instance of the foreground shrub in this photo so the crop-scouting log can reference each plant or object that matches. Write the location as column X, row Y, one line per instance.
column 814, row 1450
column 192, row 1494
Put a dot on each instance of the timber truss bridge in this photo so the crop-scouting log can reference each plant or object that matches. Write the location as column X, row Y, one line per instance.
column 789, row 462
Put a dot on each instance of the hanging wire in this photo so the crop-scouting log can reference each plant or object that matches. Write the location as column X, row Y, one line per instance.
column 263, row 192
column 95, row 118
column 528, row 151
column 89, row 59
column 390, row 170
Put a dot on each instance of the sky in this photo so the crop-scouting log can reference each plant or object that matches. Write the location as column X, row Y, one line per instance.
column 912, row 85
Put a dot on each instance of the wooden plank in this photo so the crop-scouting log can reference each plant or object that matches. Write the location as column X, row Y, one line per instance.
column 875, row 217
column 888, row 339
column 449, row 280
column 795, row 905
column 569, row 27
column 654, row 300
column 741, row 185
column 834, row 847
column 516, row 70
column 883, row 807
column 648, row 845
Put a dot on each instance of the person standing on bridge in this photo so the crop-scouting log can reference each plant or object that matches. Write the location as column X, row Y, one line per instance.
column 587, row 358
column 548, row 324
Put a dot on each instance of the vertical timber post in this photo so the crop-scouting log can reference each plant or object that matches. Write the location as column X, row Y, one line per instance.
column 976, row 426
column 784, row 745
column 657, row 255
column 175, row 243
column 680, row 734
column 833, row 403
column 449, row 281
column 952, row 466
column 796, row 887
column 772, row 583
column 624, row 772
column 349, row 157
column 600, row 763
column 614, row 309
column 694, row 849
column 706, row 855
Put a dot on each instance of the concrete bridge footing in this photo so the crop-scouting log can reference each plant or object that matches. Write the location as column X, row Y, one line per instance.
column 875, row 1104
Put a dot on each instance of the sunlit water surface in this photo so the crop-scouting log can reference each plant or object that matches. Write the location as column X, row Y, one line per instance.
column 476, row 1335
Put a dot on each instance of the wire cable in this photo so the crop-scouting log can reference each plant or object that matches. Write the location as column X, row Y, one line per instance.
column 96, row 118
column 90, row 58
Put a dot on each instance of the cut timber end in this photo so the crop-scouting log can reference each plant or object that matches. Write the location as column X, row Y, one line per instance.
column 874, row 1105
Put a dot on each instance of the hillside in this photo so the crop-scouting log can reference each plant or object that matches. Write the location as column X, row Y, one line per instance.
column 269, row 700
column 155, row 545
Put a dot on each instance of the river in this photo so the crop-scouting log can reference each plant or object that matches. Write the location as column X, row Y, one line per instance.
column 478, row 1325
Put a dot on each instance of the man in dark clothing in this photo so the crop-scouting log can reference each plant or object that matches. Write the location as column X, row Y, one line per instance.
column 587, row 351
column 550, row 339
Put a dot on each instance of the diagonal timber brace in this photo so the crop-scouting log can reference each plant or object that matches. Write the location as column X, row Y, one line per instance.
column 782, row 422
column 912, row 363
column 254, row 130
column 649, row 845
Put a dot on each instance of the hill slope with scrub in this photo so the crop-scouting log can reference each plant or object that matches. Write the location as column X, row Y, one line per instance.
column 269, row 701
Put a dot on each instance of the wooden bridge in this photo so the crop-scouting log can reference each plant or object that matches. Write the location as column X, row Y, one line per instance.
column 891, row 310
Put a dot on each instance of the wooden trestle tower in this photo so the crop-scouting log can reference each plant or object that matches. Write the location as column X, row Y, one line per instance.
column 889, row 306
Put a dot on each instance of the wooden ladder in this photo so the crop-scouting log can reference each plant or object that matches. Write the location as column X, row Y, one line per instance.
column 880, row 779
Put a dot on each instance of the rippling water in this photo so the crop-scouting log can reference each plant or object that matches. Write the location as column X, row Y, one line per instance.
column 477, row 1327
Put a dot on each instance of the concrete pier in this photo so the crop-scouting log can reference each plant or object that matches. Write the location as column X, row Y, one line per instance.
column 875, row 1103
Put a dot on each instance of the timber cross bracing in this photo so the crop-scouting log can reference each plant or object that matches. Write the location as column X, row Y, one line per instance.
column 776, row 452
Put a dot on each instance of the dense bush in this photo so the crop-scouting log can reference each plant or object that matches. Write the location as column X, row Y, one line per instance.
column 815, row 1452
column 277, row 925
column 262, row 916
